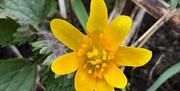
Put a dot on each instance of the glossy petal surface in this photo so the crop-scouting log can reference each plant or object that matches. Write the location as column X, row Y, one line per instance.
column 115, row 77
column 66, row 64
column 129, row 56
column 119, row 29
column 98, row 18
column 67, row 33
column 102, row 85
column 84, row 81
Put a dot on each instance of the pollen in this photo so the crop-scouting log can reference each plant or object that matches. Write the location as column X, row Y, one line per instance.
column 111, row 57
column 90, row 71
column 92, row 54
column 97, row 61
column 97, row 66
column 84, row 66
column 104, row 55
column 104, row 65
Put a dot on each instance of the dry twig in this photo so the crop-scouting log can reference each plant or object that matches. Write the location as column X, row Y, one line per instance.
column 16, row 51
column 136, row 23
column 118, row 8
column 153, row 68
column 146, row 36
column 62, row 8
column 150, row 32
column 156, row 9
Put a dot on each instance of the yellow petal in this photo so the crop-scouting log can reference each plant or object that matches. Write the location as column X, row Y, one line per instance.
column 84, row 81
column 119, row 29
column 128, row 56
column 98, row 18
column 67, row 33
column 115, row 77
column 102, row 85
column 66, row 64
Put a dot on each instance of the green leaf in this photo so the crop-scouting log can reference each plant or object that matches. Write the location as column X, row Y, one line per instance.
column 80, row 12
column 8, row 27
column 164, row 76
column 24, row 34
column 39, row 45
column 42, row 46
column 44, row 50
column 16, row 75
column 29, row 11
column 52, row 9
column 49, row 59
column 61, row 83
column 120, row 89
column 174, row 3
column 108, row 4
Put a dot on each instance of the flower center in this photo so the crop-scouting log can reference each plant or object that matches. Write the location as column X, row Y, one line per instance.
column 96, row 58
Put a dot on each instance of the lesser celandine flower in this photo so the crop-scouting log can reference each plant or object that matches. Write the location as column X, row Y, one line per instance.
column 98, row 55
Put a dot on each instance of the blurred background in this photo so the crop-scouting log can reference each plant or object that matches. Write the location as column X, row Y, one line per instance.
column 27, row 46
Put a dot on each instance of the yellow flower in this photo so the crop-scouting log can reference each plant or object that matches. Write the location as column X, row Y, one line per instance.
column 97, row 56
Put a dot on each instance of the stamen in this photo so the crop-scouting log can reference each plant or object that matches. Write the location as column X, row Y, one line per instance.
column 90, row 71
column 104, row 55
column 110, row 57
column 95, row 52
column 84, row 66
column 97, row 61
column 90, row 55
column 97, row 66
column 104, row 65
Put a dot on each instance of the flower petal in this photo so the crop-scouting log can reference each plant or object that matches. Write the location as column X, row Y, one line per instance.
column 98, row 18
column 66, row 64
column 84, row 81
column 67, row 33
column 115, row 77
column 102, row 85
column 128, row 56
column 119, row 29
